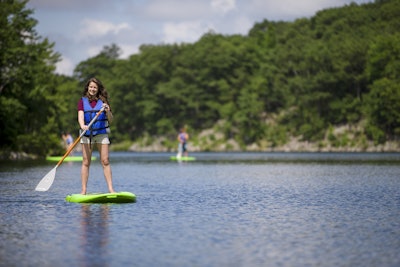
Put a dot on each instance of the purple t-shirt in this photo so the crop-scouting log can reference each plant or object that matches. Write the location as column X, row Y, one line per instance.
column 80, row 104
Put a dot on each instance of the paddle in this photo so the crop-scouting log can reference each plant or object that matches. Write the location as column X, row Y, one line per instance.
column 47, row 181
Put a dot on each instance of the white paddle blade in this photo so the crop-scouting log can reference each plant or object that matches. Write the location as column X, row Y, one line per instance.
column 47, row 181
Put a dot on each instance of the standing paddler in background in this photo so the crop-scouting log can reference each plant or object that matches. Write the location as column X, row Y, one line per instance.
column 183, row 137
column 94, row 97
column 68, row 140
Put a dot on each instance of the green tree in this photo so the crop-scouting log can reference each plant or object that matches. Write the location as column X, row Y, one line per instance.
column 99, row 66
column 27, row 64
column 383, row 101
column 384, row 110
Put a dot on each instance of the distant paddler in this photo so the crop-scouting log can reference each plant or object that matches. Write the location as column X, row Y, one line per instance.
column 183, row 137
column 68, row 140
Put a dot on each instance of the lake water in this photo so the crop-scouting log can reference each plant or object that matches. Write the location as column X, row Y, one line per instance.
column 224, row 209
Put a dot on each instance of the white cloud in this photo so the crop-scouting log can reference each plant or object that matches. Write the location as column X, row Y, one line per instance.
column 128, row 50
column 96, row 28
column 223, row 6
column 65, row 66
column 176, row 10
column 242, row 25
column 94, row 50
column 184, row 32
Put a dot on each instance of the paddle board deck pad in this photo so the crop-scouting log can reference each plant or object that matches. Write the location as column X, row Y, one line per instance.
column 120, row 197
column 69, row 158
column 183, row 158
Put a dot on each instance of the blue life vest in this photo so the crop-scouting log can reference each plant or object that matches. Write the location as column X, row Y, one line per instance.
column 101, row 124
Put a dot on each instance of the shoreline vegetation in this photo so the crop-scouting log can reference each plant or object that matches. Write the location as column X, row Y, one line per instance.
column 292, row 147
column 209, row 141
column 339, row 139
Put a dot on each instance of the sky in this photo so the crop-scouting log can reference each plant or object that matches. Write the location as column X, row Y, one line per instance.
column 81, row 28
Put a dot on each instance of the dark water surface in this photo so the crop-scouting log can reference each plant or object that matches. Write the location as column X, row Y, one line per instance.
column 224, row 209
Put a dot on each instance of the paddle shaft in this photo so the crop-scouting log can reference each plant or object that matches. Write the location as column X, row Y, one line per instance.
column 80, row 136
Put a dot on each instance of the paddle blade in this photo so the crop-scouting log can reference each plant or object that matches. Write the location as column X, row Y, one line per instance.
column 47, row 181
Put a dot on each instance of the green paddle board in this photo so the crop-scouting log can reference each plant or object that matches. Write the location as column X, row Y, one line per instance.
column 182, row 158
column 120, row 197
column 69, row 158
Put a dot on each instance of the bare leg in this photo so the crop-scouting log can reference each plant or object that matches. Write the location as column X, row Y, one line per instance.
column 87, row 157
column 179, row 151
column 103, row 150
column 186, row 152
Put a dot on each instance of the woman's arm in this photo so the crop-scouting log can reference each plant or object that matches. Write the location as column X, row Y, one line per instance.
column 81, row 120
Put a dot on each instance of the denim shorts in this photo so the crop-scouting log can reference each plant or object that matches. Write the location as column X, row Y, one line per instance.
column 96, row 139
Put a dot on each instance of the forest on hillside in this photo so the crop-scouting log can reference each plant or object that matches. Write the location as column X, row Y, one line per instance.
column 282, row 79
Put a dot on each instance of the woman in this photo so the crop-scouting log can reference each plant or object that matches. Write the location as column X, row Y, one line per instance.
column 94, row 97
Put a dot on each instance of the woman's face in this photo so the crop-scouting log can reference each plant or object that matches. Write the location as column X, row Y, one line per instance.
column 93, row 89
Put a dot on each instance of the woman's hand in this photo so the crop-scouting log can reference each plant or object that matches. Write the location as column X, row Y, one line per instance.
column 85, row 127
column 106, row 108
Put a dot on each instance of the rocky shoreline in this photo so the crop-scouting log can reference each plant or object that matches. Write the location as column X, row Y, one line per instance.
column 345, row 138
column 212, row 141
column 293, row 146
column 16, row 156
column 388, row 147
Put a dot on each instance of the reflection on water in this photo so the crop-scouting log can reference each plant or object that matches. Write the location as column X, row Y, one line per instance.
column 224, row 209
column 264, row 157
column 94, row 236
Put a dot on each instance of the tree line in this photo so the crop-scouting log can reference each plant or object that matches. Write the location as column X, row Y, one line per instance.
column 282, row 79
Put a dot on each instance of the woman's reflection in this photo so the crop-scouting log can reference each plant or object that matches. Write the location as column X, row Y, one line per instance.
column 94, row 236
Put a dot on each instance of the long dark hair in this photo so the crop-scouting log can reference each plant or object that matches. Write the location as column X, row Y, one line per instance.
column 101, row 93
